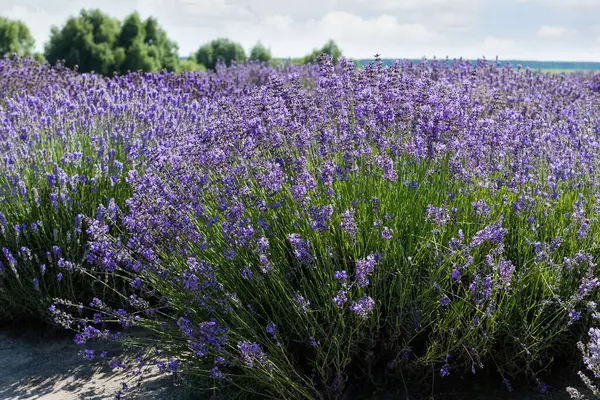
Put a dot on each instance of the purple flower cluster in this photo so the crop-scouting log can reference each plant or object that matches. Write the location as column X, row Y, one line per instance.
column 364, row 268
column 363, row 307
column 592, row 356
column 251, row 355
column 301, row 249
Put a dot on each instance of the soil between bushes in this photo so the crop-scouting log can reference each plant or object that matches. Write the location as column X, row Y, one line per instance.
column 37, row 364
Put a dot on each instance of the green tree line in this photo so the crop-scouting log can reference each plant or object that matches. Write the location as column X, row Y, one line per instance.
column 96, row 42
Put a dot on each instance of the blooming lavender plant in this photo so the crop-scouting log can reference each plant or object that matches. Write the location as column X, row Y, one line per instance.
column 245, row 235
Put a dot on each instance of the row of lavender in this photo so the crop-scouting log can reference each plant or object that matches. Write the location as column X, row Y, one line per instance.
column 282, row 231
column 68, row 142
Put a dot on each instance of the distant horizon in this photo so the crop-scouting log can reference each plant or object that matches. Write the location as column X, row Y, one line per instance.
column 557, row 64
column 502, row 60
column 514, row 61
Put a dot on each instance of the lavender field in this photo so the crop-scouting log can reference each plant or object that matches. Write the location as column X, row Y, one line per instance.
column 298, row 232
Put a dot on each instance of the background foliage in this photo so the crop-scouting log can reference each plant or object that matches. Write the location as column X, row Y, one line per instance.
column 96, row 42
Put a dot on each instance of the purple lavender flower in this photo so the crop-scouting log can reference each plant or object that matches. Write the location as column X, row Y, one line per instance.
column 173, row 365
column 363, row 307
column 320, row 217
column 387, row 164
column 263, row 244
column 327, row 173
column 271, row 329
column 481, row 208
column 54, row 200
column 301, row 249
column 542, row 387
column 493, row 233
column 302, row 304
column 439, row 216
column 455, row 274
column 274, row 178
column 313, row 342
column 386, row 233
column 57, row 252
column 251, row 354
column 216, row 373
column 506, row 270
column 136, row 283
column 115, row 363
column 340, row 276
column 265, row 264
column 246, row 272
column 348, row 224
column 51, row 179
column 88, row 354
column 591, row 356
column 574, row 316
column 364, row 268
column 445, row 301
column 445, row 370
column 340, row 298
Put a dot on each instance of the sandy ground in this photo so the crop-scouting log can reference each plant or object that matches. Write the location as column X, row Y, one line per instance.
column 35, row 365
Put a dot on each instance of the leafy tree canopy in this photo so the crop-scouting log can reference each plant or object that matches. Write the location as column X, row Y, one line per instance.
column 223, row 50
column 190, row 64
column 87, row 41
column 330, row 48
column 97, row 42
column 15, row 38
column 260, row 53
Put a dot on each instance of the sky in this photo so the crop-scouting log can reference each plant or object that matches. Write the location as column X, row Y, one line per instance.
column 545, row 30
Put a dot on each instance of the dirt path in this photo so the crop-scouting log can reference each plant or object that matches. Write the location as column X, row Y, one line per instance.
column 47, row 366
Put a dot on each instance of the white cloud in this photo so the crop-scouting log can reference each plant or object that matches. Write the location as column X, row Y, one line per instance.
column 279, row 23
column 194, row 12
column 357, row 36
column 503, row 48
column 553, row 32
column 346, row 26
column 452, row 20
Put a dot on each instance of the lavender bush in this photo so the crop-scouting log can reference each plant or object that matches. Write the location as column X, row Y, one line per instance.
column 70, row 143
column 286, row 232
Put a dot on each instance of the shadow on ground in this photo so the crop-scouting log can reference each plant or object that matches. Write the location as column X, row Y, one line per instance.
column 42, row 365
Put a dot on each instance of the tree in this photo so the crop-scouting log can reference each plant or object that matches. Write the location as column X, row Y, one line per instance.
column 260, row 53
column 329, row 48
column 332, row 49
column 159, row 45
column 189, row 65
column 87, row 41
column 38, row 57
column 131, row 52
column 96, row 42
column 15, row 38
column 144, row 46
column 223, row 50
